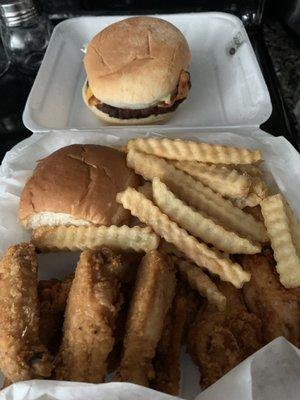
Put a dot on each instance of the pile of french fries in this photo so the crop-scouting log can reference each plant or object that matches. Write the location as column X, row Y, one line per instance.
column 193, row 205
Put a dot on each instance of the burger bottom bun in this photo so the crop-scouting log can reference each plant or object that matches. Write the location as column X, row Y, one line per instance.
column 48, row 218
column 105, row 118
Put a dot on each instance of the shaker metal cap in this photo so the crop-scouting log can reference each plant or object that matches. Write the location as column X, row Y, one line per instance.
column 14, row 12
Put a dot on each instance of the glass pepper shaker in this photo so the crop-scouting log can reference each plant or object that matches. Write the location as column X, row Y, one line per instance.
column 25, row 33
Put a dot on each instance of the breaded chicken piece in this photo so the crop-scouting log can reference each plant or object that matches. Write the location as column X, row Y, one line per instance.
column 277, row 307
column 218, row 341
column 167, row 359
column 22, row 355
column 152, row 298
column 130, row 262
column 53, row 296
column 5, row 383
column 92, row 308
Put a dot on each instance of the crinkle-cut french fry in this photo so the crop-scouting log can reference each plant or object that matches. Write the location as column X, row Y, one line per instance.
column 198, row 224
column 72, row 238
column 201, row 282
column 226, row 181
column 146, row 189
column 250, row 169
column 171, row 250
column 181, row 150
column 295, row 228
column 198, row 252
column 252, row 200
column 197, row 195
column 279, row 230
column 259, row 188
column 258, row 191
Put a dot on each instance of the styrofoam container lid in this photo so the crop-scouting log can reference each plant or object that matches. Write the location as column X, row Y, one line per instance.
column 228, row 90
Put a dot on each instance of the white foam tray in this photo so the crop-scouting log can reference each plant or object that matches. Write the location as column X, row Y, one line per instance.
column 227, row 90
column 282, row 173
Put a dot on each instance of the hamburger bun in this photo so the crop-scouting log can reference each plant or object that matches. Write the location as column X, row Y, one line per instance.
column 77, row 185
column 135, row 64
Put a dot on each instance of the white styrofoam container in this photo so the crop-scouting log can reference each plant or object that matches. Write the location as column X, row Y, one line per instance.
column 281, row 171
column 227, row 90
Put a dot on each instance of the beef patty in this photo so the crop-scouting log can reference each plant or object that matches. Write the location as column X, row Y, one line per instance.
column 129, row 113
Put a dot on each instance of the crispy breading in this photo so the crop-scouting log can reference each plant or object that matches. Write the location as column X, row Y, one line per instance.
column 22, row 355
column 92, row 308
column 167, row 359
column 6, row 382
column 53, row 296
column 130, row 262
column 218, row 341
column 152, row 297
column 277, row 307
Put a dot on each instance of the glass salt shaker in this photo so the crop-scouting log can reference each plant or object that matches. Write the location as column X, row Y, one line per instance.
column 25, row 33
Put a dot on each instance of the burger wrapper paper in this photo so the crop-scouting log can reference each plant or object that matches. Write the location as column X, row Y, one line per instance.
column 271, row 373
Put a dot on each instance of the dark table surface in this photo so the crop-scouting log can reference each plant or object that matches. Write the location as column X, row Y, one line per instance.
column 284, row 49
column 277, row 52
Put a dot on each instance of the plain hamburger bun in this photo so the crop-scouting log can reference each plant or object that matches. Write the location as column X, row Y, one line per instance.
column 136, row 62
column 77, row 185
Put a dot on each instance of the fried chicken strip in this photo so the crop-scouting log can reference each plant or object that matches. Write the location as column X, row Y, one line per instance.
column 277, row 307
column 166, row 362
column 218, row 341
column 22, row 355
column 152, row 298
column 127, row 275
column 92, row 308
column 53, row 296
column 5, row 383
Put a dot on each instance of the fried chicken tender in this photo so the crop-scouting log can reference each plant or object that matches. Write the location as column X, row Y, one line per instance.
column 5, row 383
column 167, row 359
column 277, row 307
column 22, row 355
column 218, row 341
column 92, row 308
column 127, row 275
column 53, row 296
column 152, row 298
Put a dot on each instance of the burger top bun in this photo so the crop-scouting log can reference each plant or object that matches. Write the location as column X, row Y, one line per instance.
column 77, row 185
column 136, row 62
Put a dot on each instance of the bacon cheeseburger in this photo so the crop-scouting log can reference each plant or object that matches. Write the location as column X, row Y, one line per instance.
column 136, row 71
